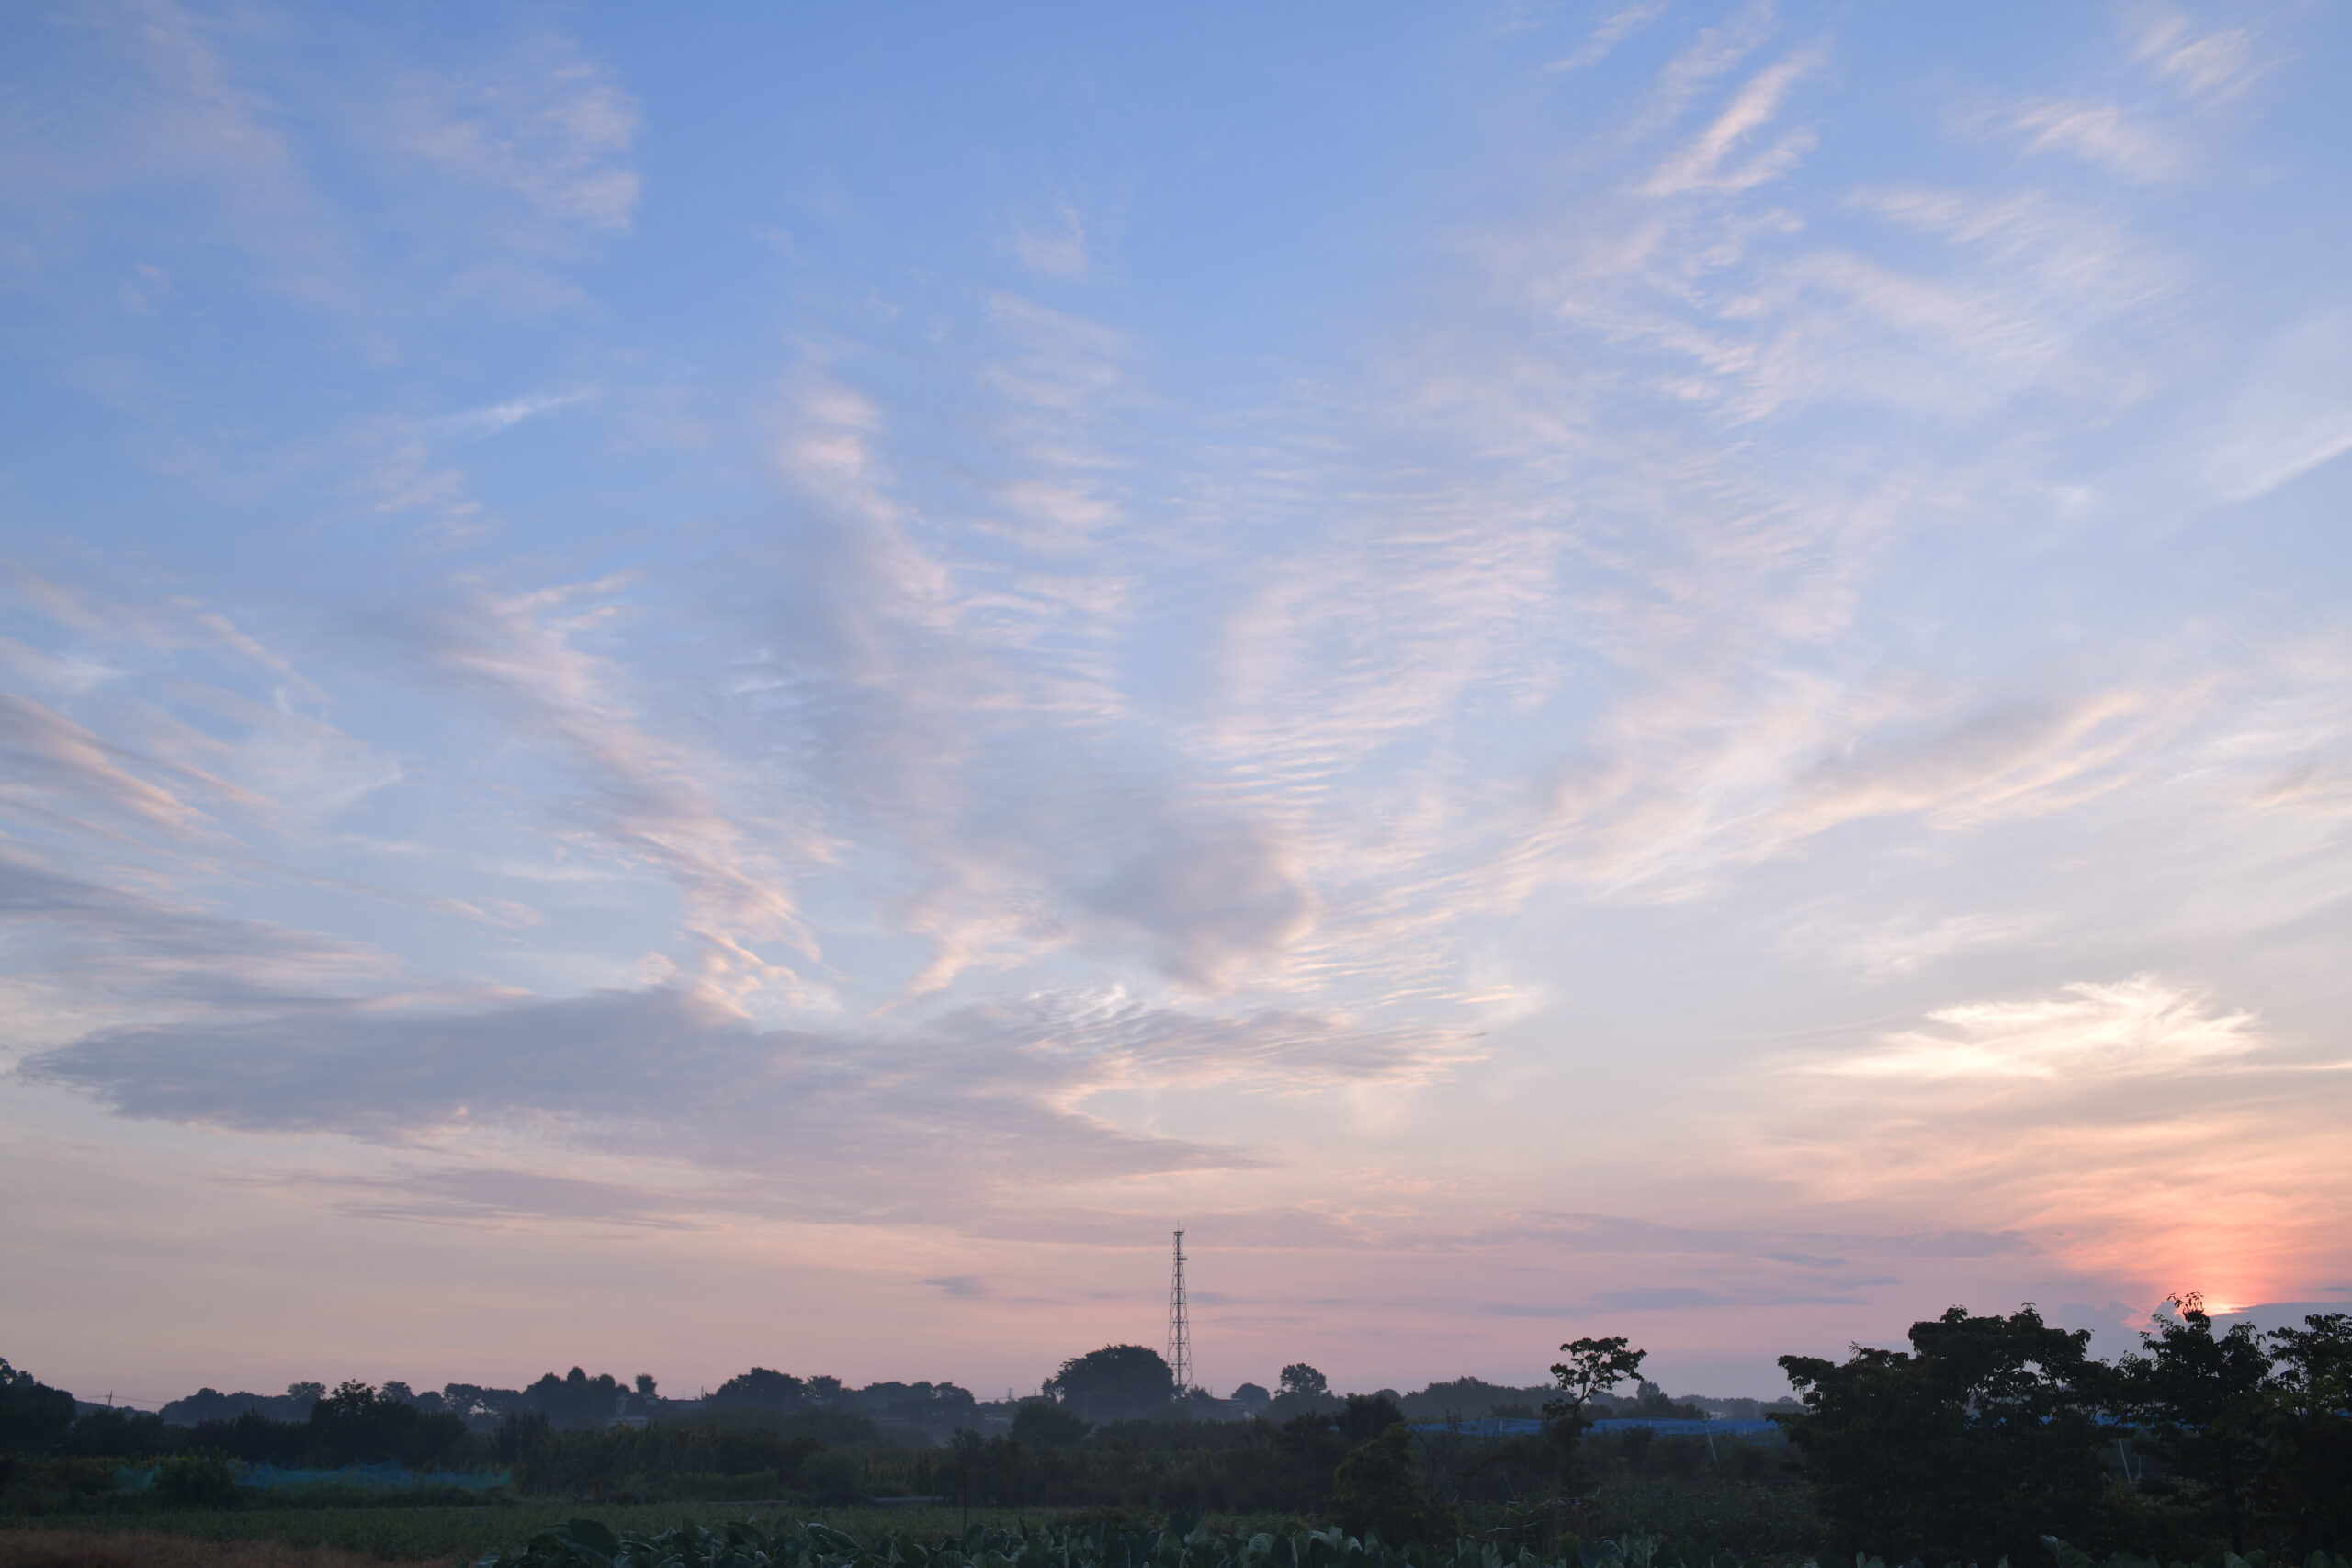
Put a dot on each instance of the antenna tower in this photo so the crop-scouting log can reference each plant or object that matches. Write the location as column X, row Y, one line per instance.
column 1180, row 1332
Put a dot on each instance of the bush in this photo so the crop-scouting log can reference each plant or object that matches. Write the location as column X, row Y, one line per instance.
column 59, row 1485
column 1376, row 1490
column 201, row 1480
column 831, row 1477
column 1044, row 1426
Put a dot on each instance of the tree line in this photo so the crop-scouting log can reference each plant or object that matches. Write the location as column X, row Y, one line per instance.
column 1990, row 1432
column 1984, row 1435
column 576, row 1400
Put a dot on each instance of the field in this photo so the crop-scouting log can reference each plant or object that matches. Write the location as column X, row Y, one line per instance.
column 1746, row 1519
column 290, row 1538
column 1750, row 1520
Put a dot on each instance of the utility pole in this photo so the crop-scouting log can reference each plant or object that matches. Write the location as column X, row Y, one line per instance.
column 1179, row 1333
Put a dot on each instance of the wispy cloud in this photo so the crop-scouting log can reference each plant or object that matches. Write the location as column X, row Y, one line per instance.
column 1253, row 712
column 2210, row 66
column 2291, row 413
column 491, row 172
column 644, row 798
column 2138, row 1026
column 996, row 1092
column 1612, row 30
column 1700, row 164
column 2102, row 133
column 1056, row 247
column 543, row 125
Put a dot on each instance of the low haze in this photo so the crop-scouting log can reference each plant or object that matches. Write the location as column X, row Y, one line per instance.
column 682, row 688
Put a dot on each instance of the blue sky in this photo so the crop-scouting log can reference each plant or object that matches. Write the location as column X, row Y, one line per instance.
column 768, row 687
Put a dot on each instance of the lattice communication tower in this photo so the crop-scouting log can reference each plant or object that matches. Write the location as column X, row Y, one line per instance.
column 1179, row 1331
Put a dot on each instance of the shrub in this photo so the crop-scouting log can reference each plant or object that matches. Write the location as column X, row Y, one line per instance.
column 1377, row 1490
column 204, row 1479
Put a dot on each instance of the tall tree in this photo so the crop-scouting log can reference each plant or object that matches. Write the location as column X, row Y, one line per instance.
column 2305, row 1489
column 1118, row 1382
column 2203, row 1396
column 1593, row 1367
column 34, row 1418
column 762, row 1388
column 1304, row 1381
column 1971, row 1447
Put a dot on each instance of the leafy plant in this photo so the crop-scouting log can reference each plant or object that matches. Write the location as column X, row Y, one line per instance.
column 204, row 1479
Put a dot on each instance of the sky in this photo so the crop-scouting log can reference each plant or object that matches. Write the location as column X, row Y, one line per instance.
column 768, row 685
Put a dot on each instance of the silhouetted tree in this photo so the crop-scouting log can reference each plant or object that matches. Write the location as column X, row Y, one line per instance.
column 759, row 1389
column 1304, row 1381
column 575, row 1400
column 1377, row 1488
column 1044, row 1426
column 1972, row 1447
column 1364, row 1417
column 1114, row 1382
column 355, row 1425
column 2305, row 1487
column 1593, row 1367
column 2202, row 1397
column 34, row 1418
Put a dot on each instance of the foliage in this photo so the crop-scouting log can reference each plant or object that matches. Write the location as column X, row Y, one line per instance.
column 835, row 1428
column 1649, row 1400
column 929, row 1402
column 1593, row 1367
column 1185, row 1543
column 1300, row 1379
column 202, row 1479
column 210, row 1404
column 1967, row 1448
column 1365, row 1417
column 1043, row 1426
column 759, row 1389
column 2252, row 1434
column 122, row 1434
column 34, row 1418
column 1377, row 1491
column 2305, row 1486
column 2200, row 1396
column 55, row 1485
column 1118, row 1382
column 575, row 1400
column 436, row 1533
column 2070, row 1557
column 1242, row 1467
column 355, row 1425
column 663, row 1459
column 1748, row 1518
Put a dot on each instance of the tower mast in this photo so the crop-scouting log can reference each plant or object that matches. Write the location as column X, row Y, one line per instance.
column 1179, row 1333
